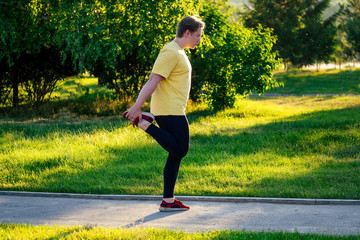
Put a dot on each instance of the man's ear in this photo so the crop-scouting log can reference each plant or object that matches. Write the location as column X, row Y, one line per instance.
column 187, row 33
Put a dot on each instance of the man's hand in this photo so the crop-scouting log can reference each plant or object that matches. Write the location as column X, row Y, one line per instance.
column 133, row 113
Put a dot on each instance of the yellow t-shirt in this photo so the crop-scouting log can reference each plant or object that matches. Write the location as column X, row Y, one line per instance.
column 172, row 93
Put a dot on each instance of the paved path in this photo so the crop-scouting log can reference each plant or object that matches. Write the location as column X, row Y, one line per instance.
column 334, row 219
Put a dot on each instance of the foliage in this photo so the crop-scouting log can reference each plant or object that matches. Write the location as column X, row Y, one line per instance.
column 318, row 36
column 232, row 60
column 304, row 37
column 40, row 73
column 23, row 29
column 30, row 64
column 348, row 33
column 343, row 50
column 352, row 24
column 17, row 29
column 118, row 41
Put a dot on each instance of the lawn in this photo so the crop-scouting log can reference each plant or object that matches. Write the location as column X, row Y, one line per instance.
column 293, row 146
column 29, row 232
column 302, row 147
column 323, row 82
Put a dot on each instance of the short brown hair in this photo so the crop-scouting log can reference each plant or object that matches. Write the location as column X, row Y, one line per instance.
column 191, row 23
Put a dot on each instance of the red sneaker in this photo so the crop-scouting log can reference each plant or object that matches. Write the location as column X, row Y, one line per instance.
column 175, row 206
column 145, row 115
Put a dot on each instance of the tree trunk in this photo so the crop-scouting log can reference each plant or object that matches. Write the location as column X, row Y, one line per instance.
column 101, row 81
column 15, row 86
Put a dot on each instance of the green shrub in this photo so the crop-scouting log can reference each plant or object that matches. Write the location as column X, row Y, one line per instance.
column 232, row 59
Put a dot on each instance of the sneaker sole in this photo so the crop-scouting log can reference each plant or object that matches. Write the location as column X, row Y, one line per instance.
column 162, row 209
column 149, row 115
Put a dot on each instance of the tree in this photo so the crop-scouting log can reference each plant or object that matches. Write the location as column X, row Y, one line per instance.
column 17, row 29
column 352, row 24
column 304, row 37
column 118, row 41
column 231, row 60
column 40, row 73
column 30, row 64
column 345, row 50
column 318, row 39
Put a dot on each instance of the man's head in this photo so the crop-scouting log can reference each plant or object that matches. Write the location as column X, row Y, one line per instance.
column 190, row 28
column 190, row 23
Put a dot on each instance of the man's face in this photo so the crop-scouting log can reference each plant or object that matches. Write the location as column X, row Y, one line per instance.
column 194, row 38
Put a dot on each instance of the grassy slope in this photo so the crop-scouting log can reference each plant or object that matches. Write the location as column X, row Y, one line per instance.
column 279, row 147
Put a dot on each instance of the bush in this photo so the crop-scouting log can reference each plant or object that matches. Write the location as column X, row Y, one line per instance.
column 35, row 75
column 232, row 59
column 118, row 41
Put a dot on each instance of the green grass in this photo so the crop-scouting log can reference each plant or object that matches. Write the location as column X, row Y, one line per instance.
column 325, row 82
column 19, row 231
column 305, row 147
column 75, row 86
column 265, row 147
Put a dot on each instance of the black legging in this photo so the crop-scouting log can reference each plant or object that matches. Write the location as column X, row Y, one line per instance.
column 173, row 136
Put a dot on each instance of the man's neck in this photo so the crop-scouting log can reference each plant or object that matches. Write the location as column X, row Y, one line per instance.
column 180, row 42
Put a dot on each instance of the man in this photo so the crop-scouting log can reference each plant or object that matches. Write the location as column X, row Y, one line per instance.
column 169, row 85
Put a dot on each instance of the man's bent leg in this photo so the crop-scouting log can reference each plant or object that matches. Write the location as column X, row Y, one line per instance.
column 173, row 136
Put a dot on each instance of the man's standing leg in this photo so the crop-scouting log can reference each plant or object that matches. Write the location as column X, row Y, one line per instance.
column 173, row 136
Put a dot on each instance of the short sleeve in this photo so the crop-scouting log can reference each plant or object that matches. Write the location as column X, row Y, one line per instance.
column 165, row 63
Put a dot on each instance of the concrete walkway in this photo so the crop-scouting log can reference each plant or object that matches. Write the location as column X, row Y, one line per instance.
column 334, row 217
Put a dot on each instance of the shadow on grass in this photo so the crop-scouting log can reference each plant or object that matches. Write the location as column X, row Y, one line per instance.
column 137, row 169
column 299, row 135
column 44, row 128
column 198, row 115
column 328, row 141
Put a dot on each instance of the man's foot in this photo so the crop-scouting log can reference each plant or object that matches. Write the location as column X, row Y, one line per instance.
column 175, row 206
column 145, row 116
column 143, row 124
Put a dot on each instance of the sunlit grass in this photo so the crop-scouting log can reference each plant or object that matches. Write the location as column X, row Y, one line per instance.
column 29, row 232
column 72, row 156
column 324, row 82
column 279, row 149
column 70, row 88
column 274, row 147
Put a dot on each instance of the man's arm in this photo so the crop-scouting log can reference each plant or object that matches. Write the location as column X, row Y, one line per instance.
column 135, row 111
